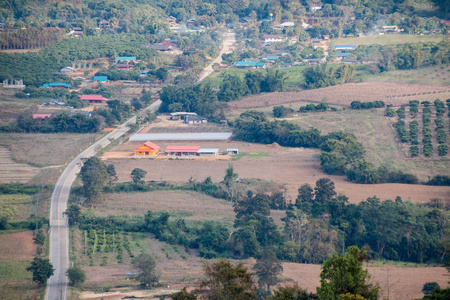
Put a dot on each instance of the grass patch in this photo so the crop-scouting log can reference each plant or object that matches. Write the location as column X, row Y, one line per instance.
column 14, row 270
column 257, row 154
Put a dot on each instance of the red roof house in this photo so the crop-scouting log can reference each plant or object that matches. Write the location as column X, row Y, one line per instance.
column 94, row 99
column 182, row 150
column 41, row 116
column 147, row 148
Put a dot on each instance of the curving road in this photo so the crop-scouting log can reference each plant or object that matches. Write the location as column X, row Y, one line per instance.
column 59, row 228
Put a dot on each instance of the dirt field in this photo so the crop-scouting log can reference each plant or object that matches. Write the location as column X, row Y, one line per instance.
column 342, row 94
column 289, row 166
column 14, row 172
column 17, row 246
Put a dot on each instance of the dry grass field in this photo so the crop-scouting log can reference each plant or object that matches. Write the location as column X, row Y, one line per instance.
column 14, row 172
column 344, row 94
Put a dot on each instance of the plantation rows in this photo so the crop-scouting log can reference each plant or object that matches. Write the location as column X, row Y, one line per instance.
column 433, row 124
column 106, row 241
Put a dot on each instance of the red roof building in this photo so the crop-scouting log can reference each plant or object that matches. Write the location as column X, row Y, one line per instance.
column 182, row 150
column 94, row 99
column 41, row 116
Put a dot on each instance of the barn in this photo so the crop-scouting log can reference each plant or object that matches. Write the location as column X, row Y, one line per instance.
column 147, row 148
column 182, row 150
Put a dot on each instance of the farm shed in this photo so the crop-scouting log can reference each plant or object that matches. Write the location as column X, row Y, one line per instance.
column 147, row 148
column 233, row 151
column 249, row 65
column 182, row 150
column 94, row 99
column 208, row 151
column 100, row 78
column 57, row 85
column 205, row 136
column 195, row 120
column 181, row 115
column 344, row 47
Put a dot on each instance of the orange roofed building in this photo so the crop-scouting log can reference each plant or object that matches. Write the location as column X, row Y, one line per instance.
column 148, row 148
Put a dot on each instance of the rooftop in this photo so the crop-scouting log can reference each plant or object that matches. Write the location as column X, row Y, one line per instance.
column 205, row 136
column 93, row 97
column 182, row 149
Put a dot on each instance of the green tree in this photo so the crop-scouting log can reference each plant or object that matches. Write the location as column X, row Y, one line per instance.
column 147, row 270
column 137, row 175
column 112, row 174
column 226, row 281
column 73, row 213
column 93, row 175
column 345, row 274
column 184, row 295
column 293, row 292
column 76, row 275
column 42, row 270
column 268, row 267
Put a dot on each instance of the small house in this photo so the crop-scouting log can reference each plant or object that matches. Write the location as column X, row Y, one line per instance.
column 249, row 65
column 190, row 22
column 56, row 85
column 233, row 151
column 182, row 150
column 67, row 70
column 272, row 38
column 181, row 115
column 208, row 151
column 103, row 24
column 341, row 56
column 344, row 47
column 94, row 99
column 124, row 66
column 195, row 120
column 171, row 20
column 126, row 58
column 147, row 148
column 100, row 78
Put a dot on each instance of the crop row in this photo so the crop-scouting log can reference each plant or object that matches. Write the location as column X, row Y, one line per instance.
column 105, row 241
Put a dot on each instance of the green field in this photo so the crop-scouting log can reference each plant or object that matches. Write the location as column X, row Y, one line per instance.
column 387, row 39
column 15, row 280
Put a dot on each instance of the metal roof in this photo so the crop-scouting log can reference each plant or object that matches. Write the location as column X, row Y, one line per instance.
column 148, row 144
column 344, row 47
column 125, row 57
column 208, row 150
column 205, row 136
column 249, row 63
column 93, row 97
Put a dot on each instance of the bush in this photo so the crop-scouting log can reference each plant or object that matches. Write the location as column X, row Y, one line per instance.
column 439, row 180
column 428, row 287
column 428, row 150
column 401, row 112
column 414, row 150
column 390, row 112
column 442, row 150
column 281, row 111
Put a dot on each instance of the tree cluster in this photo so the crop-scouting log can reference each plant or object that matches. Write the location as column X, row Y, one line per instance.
column 324, row 75
column 366, row 105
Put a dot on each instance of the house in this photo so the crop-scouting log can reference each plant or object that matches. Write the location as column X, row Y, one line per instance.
column 271, row 58
column 288, row 24
column 162, row 47
column 190, row 22
column 147, row 148
column 344, row 47
column 232, row 151
column 124, row 66
column 100, row 78
column 316, row 61
column 390, row 28
column 126, row 58
column 80, row 112
column 314, row 8
column 94, row 99
column 341, row 56
column 171, row 20
column 195, row 120
column 349, row 60
column 56, row 85
column 103, row 24
column 181, row 115
column 272, row 38
column 41, row 116
column 67, row 70
column 208, row 151
column 182, row 150
column 249, row 65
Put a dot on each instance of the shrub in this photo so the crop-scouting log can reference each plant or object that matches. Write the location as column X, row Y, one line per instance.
column 442, row 150
column 414, row 150
column 428, row 150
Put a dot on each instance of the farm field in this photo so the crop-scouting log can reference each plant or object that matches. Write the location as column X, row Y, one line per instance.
column 387, row 39
column 291, row 167
column 16, row 252
column 11, row 107
column 346, row 93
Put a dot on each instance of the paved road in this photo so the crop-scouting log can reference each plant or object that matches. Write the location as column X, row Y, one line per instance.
column 59, row 228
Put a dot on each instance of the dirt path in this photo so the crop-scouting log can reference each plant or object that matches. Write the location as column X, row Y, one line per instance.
column 229, row 40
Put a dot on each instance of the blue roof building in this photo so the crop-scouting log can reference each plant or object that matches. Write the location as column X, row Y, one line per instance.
column 56, row 85
column 100, row 78
column 125, row 58
column 342, row 54
column 249, row 64
column 272, row 57
column 344, row 47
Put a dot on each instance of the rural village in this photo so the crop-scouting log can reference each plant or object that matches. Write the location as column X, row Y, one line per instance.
column 225, row 150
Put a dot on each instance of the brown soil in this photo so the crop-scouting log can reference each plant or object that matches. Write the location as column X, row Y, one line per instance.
column 290, row 166
column 343, row 94
column 17, row 246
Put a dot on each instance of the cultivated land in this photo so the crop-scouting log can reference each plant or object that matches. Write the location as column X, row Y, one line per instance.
column 16, row 252
column 391, row 93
